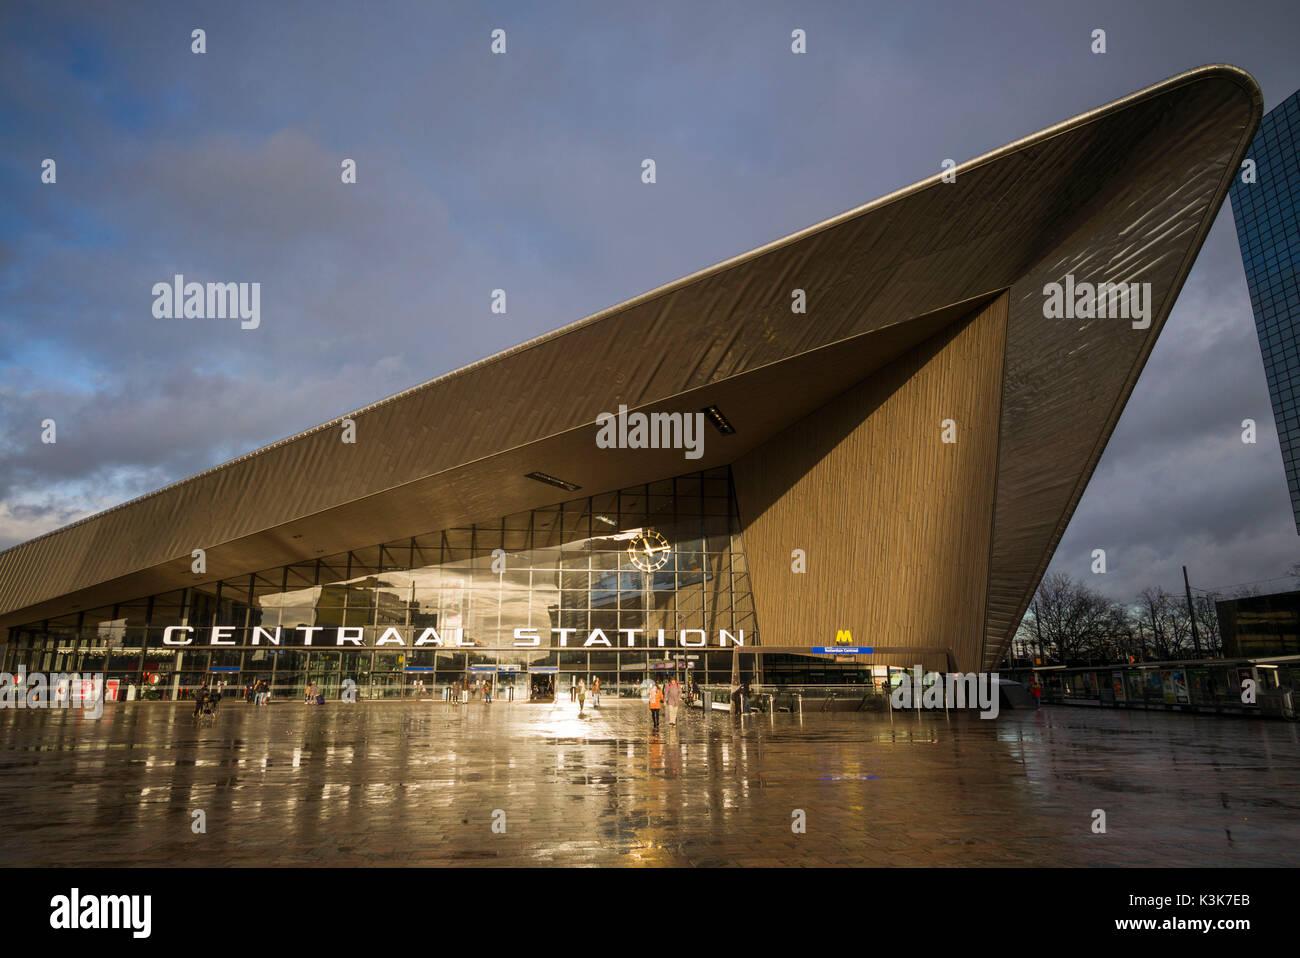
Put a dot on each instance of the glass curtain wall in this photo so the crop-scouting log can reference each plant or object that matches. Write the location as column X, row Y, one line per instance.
column 563, row 567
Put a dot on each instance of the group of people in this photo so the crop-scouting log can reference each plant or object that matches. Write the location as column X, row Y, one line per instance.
column 462, row 690
column 258, row 692
column 664, row 699
column 580, row 690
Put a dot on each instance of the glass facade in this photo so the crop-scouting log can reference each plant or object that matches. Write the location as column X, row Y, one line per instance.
column 1267, row 213
column 622, row 585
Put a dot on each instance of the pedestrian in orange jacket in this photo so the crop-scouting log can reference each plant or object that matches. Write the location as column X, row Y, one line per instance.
column 656, row 701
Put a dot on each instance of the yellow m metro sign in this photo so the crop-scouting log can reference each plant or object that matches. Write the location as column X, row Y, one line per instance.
column 843, row 637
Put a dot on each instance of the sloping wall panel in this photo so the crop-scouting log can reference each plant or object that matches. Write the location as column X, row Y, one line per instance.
column 895, row 523
column 1064, row 372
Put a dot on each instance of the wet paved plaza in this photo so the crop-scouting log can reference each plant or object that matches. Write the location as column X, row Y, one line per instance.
column 421, row 783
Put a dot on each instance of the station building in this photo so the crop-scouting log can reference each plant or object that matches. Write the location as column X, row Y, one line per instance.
column 866, row 437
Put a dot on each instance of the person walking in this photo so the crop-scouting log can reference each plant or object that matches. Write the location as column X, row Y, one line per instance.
column 673, row 699
column 1036, row 690
column 656, row 702
column 595, row 692
column 582, row 696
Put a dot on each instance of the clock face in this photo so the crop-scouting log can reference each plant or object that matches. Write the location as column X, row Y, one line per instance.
column 649, row 551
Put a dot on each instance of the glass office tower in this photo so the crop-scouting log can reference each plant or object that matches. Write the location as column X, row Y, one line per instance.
column 1267, row 212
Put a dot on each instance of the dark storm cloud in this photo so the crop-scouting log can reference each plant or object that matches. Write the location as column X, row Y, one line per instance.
column 1177, row 485
column 522, row 172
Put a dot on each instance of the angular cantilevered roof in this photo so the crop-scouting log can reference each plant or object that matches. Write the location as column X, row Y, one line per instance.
column 1124, row 193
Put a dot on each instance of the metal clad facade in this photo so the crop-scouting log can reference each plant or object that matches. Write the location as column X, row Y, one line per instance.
column 1126, row 192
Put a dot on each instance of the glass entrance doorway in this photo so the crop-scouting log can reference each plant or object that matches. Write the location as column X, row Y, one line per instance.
column 419, row 684
column 511, row 685
column 541, row 683
column 482, row 682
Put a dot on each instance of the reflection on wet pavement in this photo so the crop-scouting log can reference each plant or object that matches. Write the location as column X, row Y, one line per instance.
column 421, row 783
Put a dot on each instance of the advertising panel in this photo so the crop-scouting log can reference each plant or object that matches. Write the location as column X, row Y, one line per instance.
column 1179, row 680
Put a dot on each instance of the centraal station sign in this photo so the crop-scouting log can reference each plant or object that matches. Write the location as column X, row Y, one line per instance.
column 319, row 636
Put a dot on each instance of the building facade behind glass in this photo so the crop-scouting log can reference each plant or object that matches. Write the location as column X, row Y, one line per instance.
column 619, row 586
column 1267, row 213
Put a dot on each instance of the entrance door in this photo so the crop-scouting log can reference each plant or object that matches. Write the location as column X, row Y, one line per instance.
column 510, row 687
column 541, row 686
column 384, row 685
column 418, row 685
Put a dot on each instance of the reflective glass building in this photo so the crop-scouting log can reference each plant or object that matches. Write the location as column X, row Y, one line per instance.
column 1267, row 213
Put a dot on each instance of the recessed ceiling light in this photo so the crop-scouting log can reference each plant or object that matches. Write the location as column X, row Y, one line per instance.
column 720, row 422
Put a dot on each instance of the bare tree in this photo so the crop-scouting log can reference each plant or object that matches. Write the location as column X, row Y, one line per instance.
column 1153, row 610
column 1207, row 621
column 1125, row 643
column 1068, row 621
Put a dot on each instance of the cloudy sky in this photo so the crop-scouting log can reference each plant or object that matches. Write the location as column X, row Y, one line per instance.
column 522, row 171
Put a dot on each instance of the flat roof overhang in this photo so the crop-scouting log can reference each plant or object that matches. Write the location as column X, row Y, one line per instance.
column 1126, row 192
